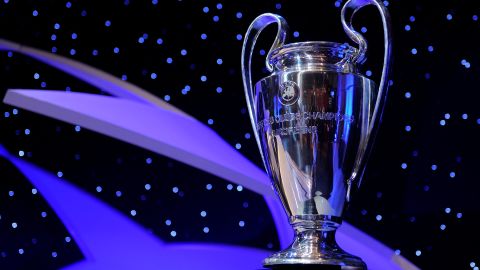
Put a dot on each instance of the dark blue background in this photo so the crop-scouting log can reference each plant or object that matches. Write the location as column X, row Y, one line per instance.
column 402, row 207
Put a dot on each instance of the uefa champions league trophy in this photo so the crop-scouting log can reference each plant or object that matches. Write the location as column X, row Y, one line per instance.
column 314, row 120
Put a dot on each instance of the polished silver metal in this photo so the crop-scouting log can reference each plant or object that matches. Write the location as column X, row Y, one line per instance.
column 314, row 120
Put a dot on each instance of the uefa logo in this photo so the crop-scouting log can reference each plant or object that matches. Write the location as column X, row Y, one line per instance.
column 289, row 93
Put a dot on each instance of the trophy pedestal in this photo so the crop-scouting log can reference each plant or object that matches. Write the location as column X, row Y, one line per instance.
column 314, row 249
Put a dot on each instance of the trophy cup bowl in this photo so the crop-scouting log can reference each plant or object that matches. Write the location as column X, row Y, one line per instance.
column 314, row 119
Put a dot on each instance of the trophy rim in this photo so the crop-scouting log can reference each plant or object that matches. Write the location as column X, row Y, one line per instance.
column 323, row 53
column 345, row 48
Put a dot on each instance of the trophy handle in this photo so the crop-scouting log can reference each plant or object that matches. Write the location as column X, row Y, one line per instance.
column 256, row 27
column 353, row 6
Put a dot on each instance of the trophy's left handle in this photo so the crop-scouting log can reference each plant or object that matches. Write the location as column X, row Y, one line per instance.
column 256, row 27
column 351, row 7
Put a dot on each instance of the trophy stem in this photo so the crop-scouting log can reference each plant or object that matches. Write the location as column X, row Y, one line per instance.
column 315, row 245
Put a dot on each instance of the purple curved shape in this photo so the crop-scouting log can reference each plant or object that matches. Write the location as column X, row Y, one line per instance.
column 96, row 77
column 178, row 137
column 153, row 128
column 126, row 245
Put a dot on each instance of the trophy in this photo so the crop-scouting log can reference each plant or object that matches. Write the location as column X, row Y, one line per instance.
column 314, row 119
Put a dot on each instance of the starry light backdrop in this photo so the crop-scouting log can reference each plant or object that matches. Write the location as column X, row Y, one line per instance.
column 420, row 191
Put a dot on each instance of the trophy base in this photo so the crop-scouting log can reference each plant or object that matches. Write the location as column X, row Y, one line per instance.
column 314, row 248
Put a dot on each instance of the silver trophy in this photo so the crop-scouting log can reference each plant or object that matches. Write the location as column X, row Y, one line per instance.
column 314, row 119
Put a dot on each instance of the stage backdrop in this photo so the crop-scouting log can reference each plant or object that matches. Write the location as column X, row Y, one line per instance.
column 420, row 191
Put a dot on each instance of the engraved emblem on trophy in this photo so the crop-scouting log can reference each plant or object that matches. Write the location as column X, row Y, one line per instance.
column 288, row 93
column 314, row 119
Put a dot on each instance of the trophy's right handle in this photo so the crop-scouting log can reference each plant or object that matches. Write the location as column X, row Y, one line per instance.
column 256, row 27
column 353, row 6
